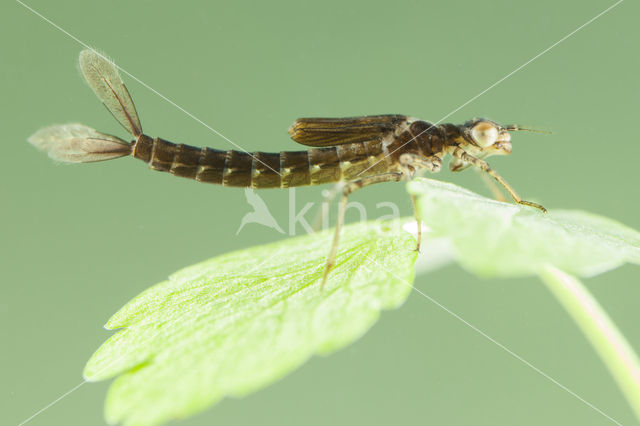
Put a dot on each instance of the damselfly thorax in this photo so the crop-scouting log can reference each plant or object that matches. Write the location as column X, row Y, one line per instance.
column 358, row 151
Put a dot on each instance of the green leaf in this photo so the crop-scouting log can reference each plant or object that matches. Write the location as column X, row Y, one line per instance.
column 492, row 238
column 235, row 323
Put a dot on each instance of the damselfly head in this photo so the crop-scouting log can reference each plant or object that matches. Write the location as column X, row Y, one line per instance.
column 487, row 136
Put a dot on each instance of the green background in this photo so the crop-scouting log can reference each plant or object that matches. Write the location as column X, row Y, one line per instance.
column 79, row 241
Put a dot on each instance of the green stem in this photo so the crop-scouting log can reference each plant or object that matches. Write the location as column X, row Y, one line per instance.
column 600, row 330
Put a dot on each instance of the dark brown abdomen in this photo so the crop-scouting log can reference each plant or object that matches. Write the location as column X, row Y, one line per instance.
column 260, row 169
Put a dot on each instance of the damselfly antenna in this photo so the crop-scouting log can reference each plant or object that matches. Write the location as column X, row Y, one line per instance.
column 516, row 128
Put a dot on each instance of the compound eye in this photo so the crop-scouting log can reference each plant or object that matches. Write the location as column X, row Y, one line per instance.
column 485, row 134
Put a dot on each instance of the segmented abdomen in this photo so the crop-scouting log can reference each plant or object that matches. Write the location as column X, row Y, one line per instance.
column 260, row 169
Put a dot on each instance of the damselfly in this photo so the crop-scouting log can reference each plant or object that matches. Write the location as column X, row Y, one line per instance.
column 356, row 151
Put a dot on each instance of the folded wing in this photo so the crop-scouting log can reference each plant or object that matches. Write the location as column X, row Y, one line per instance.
column 339, row 131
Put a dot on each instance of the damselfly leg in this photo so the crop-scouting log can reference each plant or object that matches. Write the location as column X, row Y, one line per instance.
column 349, row 188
